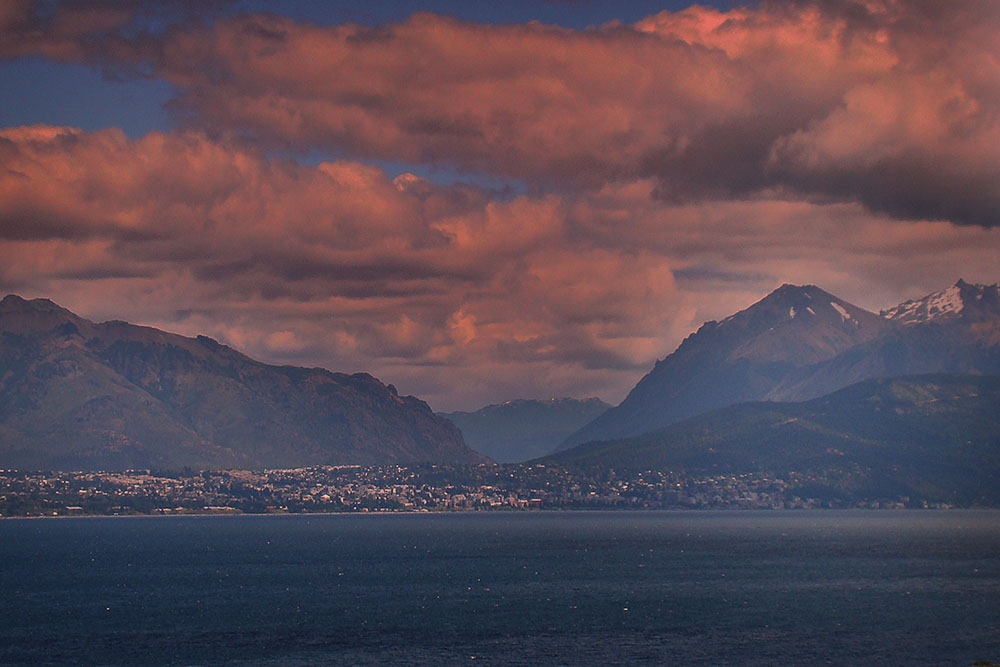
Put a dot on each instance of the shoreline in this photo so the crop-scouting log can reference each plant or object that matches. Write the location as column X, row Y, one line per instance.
column 552, row 511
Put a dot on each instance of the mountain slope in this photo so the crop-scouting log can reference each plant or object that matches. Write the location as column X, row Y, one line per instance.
column 524, row 429
column 956, row 330
column 799, row 343
column 79, row 395
column 961, row 301
column 935, row 437
column 744, row 357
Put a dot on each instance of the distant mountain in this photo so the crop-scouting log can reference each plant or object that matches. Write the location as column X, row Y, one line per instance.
column 961, row 301
column 77, row 395
column 742, row 358
column 799, row 343
column 952, row 331
column 524, row 429
column 933, row 437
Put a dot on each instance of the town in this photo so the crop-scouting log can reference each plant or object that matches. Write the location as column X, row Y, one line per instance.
column 396, row 488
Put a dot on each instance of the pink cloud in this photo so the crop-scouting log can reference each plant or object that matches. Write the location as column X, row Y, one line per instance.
column 446, row 292
column 845, row 100
column 674, row 171
column 801, row 96
column 188, row 234
column 893, row 104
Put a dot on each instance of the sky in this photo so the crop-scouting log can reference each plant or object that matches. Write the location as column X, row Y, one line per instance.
column 478, row 202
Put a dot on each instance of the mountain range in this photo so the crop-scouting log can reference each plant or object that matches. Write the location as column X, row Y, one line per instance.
column 800, row 343
column 934, row 438
column 78, row 395
column 523, row 429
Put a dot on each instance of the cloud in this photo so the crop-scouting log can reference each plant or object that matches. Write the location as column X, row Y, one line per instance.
column 851, row 101
column 365, row 270
column 119, row 35
column 448, row 292
column 895, row 104
column 912, row 148
column 666, row 173
column 843, row 100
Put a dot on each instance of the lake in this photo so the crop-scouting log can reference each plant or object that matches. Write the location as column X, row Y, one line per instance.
column 553, row 588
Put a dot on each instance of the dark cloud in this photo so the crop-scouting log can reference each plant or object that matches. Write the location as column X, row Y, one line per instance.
column 669, row 173
column 848, row 100
column 445, row 291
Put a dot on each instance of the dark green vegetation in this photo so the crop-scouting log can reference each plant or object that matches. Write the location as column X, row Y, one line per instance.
column 76, row 395
column 933, row 438
column 524, row 429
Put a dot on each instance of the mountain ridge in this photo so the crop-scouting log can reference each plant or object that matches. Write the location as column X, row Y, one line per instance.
column 935, row 437
column 800, row 342
column 522, row 429
column 76, row 394
column 960, row 301
column 135, row 396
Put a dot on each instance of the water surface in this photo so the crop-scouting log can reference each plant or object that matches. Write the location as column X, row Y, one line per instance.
column 695, row 588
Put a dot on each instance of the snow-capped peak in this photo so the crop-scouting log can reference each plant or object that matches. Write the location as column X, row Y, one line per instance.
column 950, row 303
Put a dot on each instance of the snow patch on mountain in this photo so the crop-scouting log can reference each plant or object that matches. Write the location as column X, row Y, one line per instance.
column 947, row 303
column 937, row 305
column 843, row 311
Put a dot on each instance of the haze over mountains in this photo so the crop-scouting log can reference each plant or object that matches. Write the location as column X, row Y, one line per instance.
column 933, row 438
column 845, row 405
column 76, row 395
column 521, row 429
column 799, row 343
